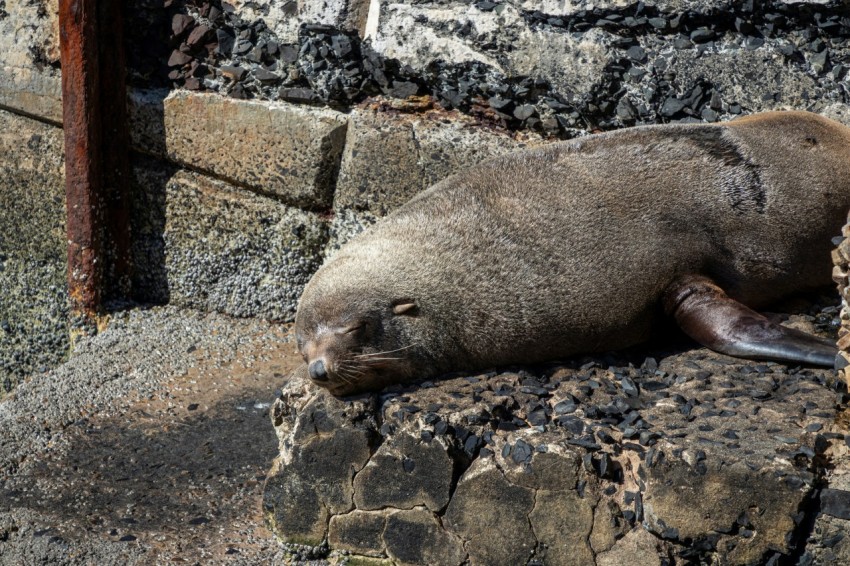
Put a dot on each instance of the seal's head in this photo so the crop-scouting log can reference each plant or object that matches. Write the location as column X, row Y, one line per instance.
column 356, row 336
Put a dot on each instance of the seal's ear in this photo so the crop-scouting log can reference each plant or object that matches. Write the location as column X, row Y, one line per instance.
column 404, row 306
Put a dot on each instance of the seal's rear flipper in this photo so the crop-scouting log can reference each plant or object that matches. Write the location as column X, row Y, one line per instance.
column 706, row 314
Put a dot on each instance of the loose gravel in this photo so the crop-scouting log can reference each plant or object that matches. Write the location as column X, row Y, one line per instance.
column 150, row 445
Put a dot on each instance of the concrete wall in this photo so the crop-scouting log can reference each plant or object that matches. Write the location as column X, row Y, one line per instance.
column 265, row 134
column 33, row 311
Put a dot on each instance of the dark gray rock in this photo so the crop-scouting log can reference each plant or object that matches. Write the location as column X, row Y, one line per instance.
column 405, row 472
column 360, row 532
column 492, row 515
column 417, row 537
column 835, row 503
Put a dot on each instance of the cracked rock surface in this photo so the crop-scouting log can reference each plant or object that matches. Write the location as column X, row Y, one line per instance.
column 682, row 457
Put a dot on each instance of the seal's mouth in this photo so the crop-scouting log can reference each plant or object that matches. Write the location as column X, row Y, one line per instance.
column 346, row 377
column 333, row 364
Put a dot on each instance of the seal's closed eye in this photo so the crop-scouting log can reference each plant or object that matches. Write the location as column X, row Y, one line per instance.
column 404, row 306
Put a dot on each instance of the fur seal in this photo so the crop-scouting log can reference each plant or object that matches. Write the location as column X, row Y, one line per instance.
column 583, row 246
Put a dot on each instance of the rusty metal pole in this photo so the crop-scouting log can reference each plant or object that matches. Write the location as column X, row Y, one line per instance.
column 116, row 140
column 94, row 112
column 83, row 163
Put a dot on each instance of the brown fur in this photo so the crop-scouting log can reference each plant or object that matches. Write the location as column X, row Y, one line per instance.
column 568, row 248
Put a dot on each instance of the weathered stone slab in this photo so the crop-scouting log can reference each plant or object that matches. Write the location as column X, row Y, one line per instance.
column 286, row 151
column 359, row 532
column 637, row 547
column 700, row 458
column 492, row 515
column 30, row 81
column 424, row 148
column 203, row 243
column 33, row 265
column 563, row 519
column 757, row 80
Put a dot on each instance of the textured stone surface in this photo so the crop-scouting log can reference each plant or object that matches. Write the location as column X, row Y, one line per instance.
column 203, row 243
column 563, row 519
column 417, row 537
column 756, row 79
column 699, row 458
column 637, row 547
column 30, row 81
column 405, row 473
column 359, row 532
column 327, row 455
column 287, row 151
column 346, row 224
column 285, row 17
column 33, row 301
column 560, row 68
column 608, row 526
column 425, row 149
column 418, row 33
column 492, row 515
column 729, row 498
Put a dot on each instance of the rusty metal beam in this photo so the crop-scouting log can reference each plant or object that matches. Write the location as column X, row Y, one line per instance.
column 94, row 113
column 83, row 162
column 116, row 139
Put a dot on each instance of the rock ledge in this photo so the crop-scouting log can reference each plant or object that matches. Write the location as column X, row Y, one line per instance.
column 699, row 458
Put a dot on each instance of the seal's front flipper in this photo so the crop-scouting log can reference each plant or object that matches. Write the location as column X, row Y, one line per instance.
column 710, row 317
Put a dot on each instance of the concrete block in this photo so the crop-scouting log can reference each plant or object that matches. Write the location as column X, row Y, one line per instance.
column 202, row 243
column 286, row 151
column 390, row 157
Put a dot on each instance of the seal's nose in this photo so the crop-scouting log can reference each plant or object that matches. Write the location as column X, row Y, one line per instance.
column 317, row 371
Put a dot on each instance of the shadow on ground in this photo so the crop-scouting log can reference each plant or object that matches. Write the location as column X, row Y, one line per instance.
column 177, row 474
